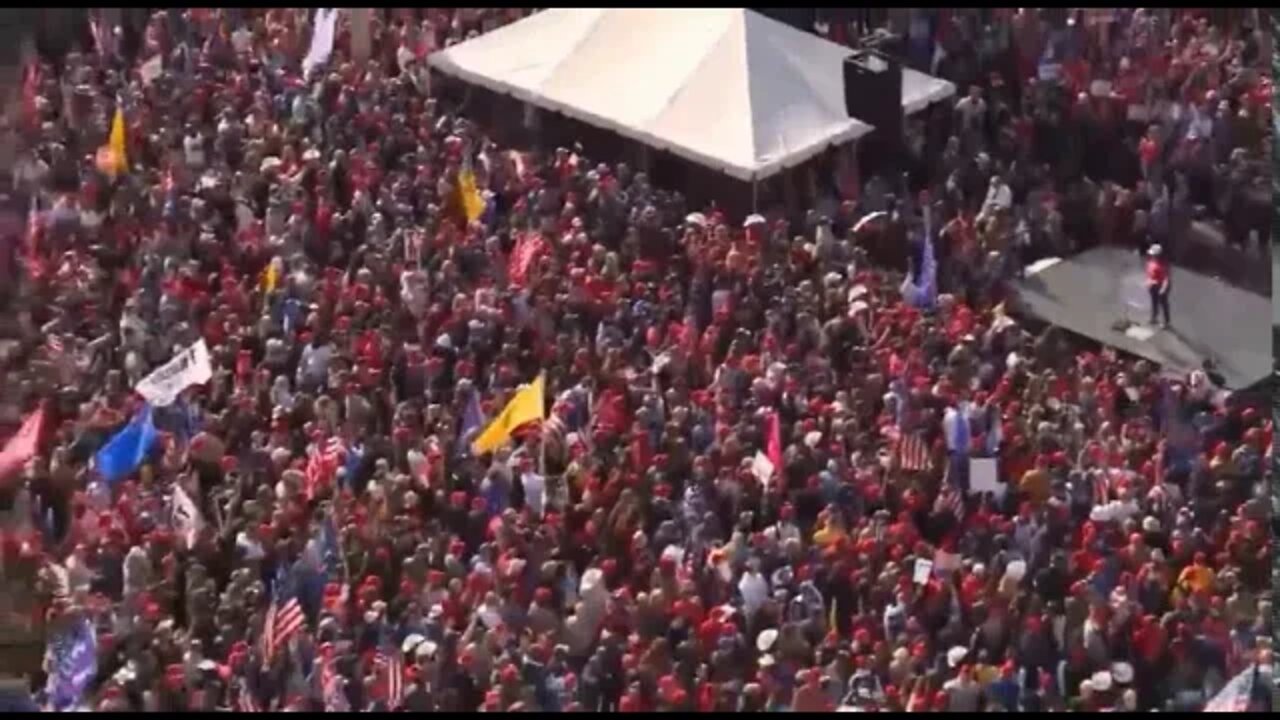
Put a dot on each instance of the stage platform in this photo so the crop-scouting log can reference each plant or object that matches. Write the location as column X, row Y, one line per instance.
column 1091, row 293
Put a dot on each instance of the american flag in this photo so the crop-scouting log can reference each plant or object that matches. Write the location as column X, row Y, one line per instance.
column 949, row 500
column 1236, row 695
column 1101, row 486
column 390, row 664
column 55, row 347
column 324, row 462
column 913, row 453
column 284, row 617
column 554, row 430
column 332, row 686
column 245, row 701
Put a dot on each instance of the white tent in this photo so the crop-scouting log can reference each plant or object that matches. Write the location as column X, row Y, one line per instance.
column 724, row 87
column 919, row 90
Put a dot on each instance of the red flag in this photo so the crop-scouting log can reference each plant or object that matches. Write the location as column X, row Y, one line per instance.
column 22, row 446
column 773, row 443
column 30, row 92
column 527, row 250
column 36, row 265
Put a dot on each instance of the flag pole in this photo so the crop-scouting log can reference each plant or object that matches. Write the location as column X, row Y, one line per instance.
column 542, row 430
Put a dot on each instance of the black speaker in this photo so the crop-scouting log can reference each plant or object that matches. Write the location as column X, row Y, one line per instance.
column 873, row 94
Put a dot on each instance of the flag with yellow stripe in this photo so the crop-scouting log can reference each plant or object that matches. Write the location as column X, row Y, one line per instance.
column 525, row 406
column 468, row 193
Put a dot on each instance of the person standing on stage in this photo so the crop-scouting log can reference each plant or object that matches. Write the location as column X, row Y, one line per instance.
column 1158, row 284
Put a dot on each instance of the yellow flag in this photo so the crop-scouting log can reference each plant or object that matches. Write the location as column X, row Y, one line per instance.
column 468, row 194
column 271, row 278
column 116, row 141
column 526, row 406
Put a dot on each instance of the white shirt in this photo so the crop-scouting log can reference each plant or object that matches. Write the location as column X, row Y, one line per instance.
column 998, row 196
column 755, row 590
column 193, row 150
column 534, row 492
column 314, row 364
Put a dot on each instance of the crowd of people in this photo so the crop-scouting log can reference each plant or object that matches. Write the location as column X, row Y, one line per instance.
column 1111, row 126
column 772, row 475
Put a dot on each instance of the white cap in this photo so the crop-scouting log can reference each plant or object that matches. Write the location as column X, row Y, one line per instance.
column 1155, row 250
column 766, row 639
column 1102, row 681
column 411, row 642
column 1122, row 672
column 696, row 218
column 753, row 219
column 956, row 655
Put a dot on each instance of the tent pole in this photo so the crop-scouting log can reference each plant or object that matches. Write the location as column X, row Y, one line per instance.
column 755, row 195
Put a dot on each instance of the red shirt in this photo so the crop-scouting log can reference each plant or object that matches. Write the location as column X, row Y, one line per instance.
column 1147, row 150
column 1157, row 273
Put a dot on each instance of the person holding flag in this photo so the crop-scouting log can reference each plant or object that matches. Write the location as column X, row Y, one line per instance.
column 526, row 406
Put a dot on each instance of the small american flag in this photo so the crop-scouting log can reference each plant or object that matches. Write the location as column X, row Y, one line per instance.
column 1101, row 487
column 913, row 453
column 390, row 664
column 553, row 436
column 332, row 686
column 323, row 464
column 245, row 701
column 949, row 500
column 55, row 347
column 284, row 617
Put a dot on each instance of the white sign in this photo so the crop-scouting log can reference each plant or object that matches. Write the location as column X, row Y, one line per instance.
column 923, row 569
column 186, row 516
column 187, row 368
column 983, row 477
column 151, row 69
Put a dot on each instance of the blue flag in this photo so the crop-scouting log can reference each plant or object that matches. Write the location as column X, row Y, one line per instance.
column 75, row 664
column 472, row 422
column 128, row 449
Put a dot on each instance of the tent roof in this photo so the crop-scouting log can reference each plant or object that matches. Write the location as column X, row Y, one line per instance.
column 724, row 87
column 920, row 90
